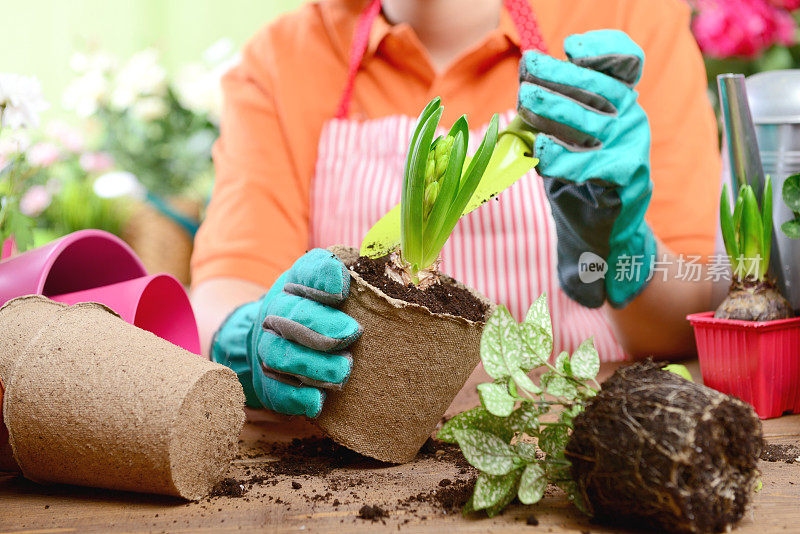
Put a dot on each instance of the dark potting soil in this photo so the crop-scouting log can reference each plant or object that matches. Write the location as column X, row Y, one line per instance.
column 449, row 498
column 372, row 512
column 227, row 487
column 780, row 453
column 439, row 298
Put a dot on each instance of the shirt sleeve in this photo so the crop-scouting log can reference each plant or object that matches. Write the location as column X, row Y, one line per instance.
column 256, row 224
column 685, row 160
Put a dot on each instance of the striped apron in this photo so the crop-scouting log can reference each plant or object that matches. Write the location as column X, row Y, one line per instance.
column 506, row 249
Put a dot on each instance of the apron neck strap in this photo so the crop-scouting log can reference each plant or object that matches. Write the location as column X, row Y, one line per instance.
column 520, row 11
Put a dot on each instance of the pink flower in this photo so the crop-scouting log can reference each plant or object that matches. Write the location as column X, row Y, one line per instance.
column 43, row 154
column 725, row 28
column 96, row 161
column 35, row 200
column 786, row 4
column 69, row 137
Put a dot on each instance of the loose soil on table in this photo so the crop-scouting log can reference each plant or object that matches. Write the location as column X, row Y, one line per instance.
column 304, row 463
column 780, row 453
column 439, row 298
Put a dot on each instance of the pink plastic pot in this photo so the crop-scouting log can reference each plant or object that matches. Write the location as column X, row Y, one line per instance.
column 78, row 261
column 757, row 362
column 157, row 303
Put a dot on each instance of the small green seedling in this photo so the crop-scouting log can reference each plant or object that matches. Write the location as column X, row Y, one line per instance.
column 791, row 196
column 516, row 451
column 440, row 185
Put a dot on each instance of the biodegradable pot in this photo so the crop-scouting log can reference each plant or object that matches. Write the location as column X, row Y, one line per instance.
column 94, row 401
column 408, row 366
column 757, row 362
column 161, row 243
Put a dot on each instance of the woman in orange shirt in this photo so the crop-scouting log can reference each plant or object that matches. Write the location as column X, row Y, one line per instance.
column 316, row 122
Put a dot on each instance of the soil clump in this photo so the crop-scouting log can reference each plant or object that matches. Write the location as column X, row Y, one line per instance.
column 439, row 298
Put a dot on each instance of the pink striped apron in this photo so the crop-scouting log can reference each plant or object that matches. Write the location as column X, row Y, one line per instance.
column 504, row 249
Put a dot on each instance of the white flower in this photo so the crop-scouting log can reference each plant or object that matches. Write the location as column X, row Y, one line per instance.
column 99, row 61
column 119, row 184
column 35, row 200
column 86, row 93
column 21, row 101
column 141, row 76
column 198, row 85
column 15, row 143
column 43, row 154
column 149, row 108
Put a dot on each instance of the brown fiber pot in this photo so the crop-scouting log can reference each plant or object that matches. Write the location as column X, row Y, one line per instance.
column 408, row 366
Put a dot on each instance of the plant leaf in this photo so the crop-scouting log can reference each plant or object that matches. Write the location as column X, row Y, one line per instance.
column 751, row 234
column 727, row 226
column 791, row 228
column 553, row 440
column 496, row 399
column 525, row 419
column 526, row 450
column 477, row 419
column 791, row 192
column 523, row 381
column 486, row 451
column 413, row 194
column 585, row 362
column 500, row 344
column 574, row 495
column 766, row 223
column 559, row 386
column 538, row 331
column 562, row 364
column 491, row 491
column 532, row 484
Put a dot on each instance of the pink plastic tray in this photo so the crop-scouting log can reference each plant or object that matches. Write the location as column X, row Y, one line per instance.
column 757, row 362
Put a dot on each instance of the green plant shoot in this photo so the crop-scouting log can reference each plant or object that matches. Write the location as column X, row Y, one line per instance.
column 441, row 184
column 495, row 437
column 791, row 197
column 435, row 192
column 747, row 231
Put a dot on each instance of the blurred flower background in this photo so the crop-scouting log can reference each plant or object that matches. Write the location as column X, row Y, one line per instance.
column 118, row 134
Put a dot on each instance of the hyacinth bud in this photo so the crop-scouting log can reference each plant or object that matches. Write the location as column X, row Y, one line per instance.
column 430, row 169
column 443, row 155
column 431, row 193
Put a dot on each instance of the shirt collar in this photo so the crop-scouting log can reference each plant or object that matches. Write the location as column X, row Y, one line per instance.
column 381, row 28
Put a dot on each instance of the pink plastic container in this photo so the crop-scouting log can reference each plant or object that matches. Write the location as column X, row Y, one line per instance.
column 757, row 362
column 81, row 260
column 157, row 303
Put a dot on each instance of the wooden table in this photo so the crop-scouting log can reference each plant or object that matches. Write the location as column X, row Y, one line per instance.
column 31, row 508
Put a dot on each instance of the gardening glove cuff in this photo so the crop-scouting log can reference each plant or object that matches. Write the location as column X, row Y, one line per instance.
column 594, row 159
column 229, row 348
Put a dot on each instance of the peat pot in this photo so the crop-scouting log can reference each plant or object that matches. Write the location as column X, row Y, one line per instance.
column 757, row 362
column 408, row 366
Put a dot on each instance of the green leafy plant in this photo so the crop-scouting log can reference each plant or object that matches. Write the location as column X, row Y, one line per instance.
column 747, row 232
column 515, row 437
column 791, row 196
column 13, row 223
column 436, row 191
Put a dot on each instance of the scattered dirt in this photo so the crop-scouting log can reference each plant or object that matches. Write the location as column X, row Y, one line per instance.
column 780, row 453
column 532, row 521
column 372, row 512
column 228, row 487
column 439, row 298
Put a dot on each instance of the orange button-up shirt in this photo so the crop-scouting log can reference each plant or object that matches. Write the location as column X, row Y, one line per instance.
column 293, row 71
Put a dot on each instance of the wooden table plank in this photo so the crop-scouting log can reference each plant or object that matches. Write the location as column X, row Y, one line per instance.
column 26, row 507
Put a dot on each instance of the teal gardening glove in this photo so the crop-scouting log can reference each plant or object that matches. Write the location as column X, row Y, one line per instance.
column 289, row 346
column 594, row 153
